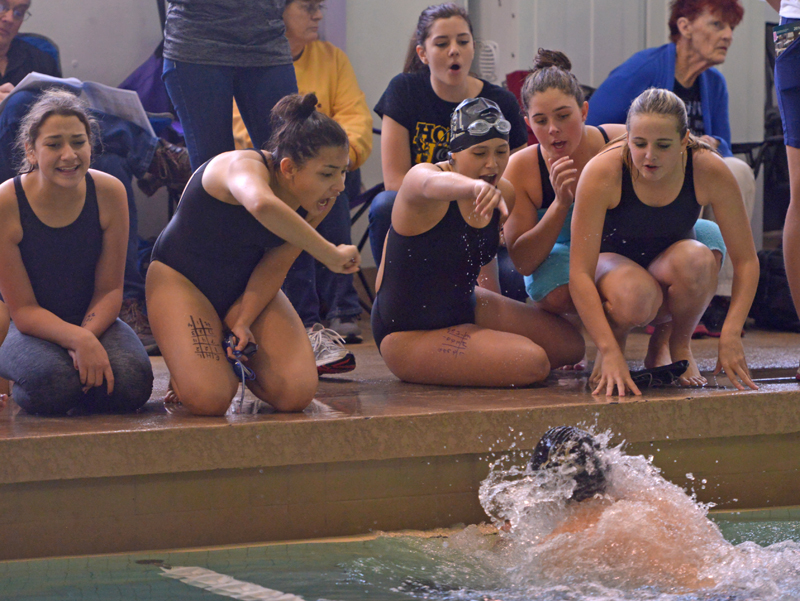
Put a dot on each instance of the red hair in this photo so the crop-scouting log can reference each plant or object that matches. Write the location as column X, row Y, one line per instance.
column 729, row 11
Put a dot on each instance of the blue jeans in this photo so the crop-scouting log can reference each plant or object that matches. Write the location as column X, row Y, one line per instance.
column 123, row 150
column 203, row 97
column 380, row 218
column 312, row 287
column 47, row 383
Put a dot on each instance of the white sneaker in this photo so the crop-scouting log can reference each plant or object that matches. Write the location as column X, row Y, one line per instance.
column 329, row 351
column 347, row 328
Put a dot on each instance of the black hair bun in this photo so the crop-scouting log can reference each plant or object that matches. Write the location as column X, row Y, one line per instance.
column 551, row 58
column 295, row 107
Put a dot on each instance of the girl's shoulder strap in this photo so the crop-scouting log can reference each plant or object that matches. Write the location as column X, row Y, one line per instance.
column 263, row 158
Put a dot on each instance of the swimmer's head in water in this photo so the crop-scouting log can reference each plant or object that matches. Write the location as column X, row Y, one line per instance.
column 567, row 446
column 476, row 120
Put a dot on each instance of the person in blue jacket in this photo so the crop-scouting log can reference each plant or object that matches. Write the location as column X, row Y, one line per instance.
column 701, row 32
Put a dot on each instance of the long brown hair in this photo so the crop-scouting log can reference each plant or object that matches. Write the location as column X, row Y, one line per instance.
column 423, row 31
column 551, row 69
column 300, row 131
column 52, row 102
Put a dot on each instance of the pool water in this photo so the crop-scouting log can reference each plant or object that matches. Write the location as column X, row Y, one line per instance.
column 391, row 567
column 651, row 542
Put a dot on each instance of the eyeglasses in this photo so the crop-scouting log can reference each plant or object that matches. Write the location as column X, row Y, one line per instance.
column 481, row 127
column 18, row 13
column 311, row 6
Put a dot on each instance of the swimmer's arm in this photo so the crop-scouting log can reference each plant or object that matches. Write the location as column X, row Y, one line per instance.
column 528, row 239
column 264, row 284
column 110, row 272
column 426, row 183
column 395, row 153
column 247, row 180
column 776, row 4
column 598, row 188
column 718, row 187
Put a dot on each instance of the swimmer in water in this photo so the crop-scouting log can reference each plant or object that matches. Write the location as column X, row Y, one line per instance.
column 652, row 535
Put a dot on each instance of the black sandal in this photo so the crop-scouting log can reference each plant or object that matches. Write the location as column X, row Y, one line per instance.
column 660, row 377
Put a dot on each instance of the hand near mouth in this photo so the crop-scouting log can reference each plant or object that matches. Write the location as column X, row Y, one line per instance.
column 563, row 177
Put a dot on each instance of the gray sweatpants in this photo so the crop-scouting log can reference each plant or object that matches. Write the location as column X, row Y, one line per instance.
column 47, row 383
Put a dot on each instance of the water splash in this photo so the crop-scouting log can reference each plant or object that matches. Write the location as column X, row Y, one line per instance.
column 644, row 539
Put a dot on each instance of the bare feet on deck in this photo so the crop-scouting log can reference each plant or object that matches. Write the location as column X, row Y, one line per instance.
column 658, row 348
column 171, row 398
column 579, row 366
column 691, row 377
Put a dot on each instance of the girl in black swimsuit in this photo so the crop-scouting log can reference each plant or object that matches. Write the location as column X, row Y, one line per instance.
column 63, row 234
column 219, row 265
column 432, row 325
column 634, row 258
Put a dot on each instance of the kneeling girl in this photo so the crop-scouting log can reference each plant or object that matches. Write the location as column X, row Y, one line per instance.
column 63, row 237
column 218, row 266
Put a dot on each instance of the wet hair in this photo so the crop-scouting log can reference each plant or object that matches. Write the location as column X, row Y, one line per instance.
column 551, row 69
column 423, row 31
column 300, row 131
column 658, row 101
column 567, row 446
column 51, row 102
column 729, row 11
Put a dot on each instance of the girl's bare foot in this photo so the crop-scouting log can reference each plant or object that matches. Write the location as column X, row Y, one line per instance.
column 171, row 398
column 658, row 348
column 579, row 366
column 691, row 377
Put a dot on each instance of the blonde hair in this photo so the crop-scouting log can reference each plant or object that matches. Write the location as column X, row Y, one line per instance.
column 658, row 101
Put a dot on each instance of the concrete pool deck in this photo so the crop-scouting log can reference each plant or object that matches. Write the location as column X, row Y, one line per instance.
column 372, row 453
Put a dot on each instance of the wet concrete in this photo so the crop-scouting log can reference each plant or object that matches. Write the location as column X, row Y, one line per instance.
column 371, row 452
column 371, row 391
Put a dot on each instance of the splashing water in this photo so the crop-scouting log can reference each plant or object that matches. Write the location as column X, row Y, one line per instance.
column 644, row 539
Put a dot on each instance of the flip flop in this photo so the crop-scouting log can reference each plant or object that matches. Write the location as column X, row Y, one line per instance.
column 660, row 377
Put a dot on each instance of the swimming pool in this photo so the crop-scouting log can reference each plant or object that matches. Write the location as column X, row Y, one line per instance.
column 651, row 542
column 436, row 565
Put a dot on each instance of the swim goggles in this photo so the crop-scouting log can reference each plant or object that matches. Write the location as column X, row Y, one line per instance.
column 481, row 127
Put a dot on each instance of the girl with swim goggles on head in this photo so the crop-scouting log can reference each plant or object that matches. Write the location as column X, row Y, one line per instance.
column 431, row 323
